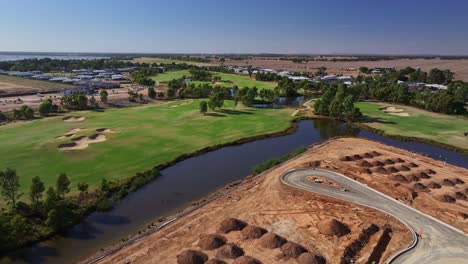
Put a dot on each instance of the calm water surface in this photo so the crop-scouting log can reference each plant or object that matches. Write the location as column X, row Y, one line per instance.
column 190, row 180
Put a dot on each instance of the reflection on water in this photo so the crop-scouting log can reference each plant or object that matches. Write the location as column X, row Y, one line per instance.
column 190, row 180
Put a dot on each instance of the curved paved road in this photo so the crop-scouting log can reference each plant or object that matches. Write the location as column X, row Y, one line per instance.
column 440, row 243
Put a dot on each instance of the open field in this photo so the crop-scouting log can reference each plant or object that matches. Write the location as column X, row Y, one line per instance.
column 161, row 60
column 300, row 216
column 459, row 66
column 412, row 122
column 227, row 79
column 11, row 84
column 139, row 138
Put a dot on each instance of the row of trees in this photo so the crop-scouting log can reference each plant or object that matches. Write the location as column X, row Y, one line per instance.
column 48, row 65
column 337, row 102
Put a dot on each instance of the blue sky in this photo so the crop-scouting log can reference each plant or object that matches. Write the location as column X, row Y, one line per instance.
column 240, row 26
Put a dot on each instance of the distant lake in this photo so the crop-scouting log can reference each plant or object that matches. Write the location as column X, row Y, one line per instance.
column 54, row 56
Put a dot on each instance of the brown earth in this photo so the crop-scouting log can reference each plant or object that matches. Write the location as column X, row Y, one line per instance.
column 293, row 214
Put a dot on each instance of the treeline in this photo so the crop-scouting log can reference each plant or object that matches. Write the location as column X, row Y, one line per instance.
column 48, row 65
column 337, row 102
column 49, row 210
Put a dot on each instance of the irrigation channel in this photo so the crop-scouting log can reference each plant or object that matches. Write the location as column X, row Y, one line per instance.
column 191, row 180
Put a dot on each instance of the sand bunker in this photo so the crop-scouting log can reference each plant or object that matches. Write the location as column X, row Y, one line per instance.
column 446, row 198
column 292, row 250
column 272, row 240
column 231, row 224
column 246, row 260
column 253, row 232
column 332, row 227
column 74, row 118
column 395, row 111
column 104, row 130
column 70, row 133
column 310, row 258
column 229, row 251
column 82, row 142
column 210, row 242
column 192, row 257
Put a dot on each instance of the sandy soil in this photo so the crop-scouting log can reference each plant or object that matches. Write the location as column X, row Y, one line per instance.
column 294, row 214
column 83, row 142
column 460, row 67
column 74, row 119
column 395, row 111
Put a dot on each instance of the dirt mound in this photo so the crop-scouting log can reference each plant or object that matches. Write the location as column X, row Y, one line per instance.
column 447, row 182
column 364, row 163
column 215, row 261
column 231, row 224
column 375, row 154
column 380, row 170
column 272, row 240
column 346, row 158
column 357, row 157
column 392, row 169
column 367, row 155
column 446, row 198
column 389, row 162
column 434, row 185
column 192, row 257
column 398, row 160
column 210, row 242
column 466, row 190
column 229, row 251
column 366, row 170
column 412, row 165
column 246, row 260
column 403, row 168
column 377, row 163
column 458, row 181
column 420, row 187
column 253, row 232
column 412, row 177
column 429, row 171
column 73, row 118
column 398, row 178
column 423, row 175
column 310, row 258
column 292, row 250
column 460, row 196
column 332, row 227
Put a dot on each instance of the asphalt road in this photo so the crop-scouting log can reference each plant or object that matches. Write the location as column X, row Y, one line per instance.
column 436, row 242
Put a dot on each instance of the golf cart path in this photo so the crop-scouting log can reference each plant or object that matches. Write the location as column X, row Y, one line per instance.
column 439, row 243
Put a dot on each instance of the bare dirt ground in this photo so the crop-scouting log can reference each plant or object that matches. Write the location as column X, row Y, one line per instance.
column 297, row 215
column 459, row 66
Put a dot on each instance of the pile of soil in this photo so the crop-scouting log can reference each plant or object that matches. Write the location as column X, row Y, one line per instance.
column 466, row 190
column 332, row 227
column 403, row 168
column 367, row 155
column 310, row 258
column 366, row 170
column 377, row 163
column 434, row 185
column 460, row 196
column 375, row 153
column 229, row 251
column 346, row 158
column 412, row 177
column 420, row 187
column 429, row 171
column 231, row 224
column 292, row 250
column 447, row 182
column 192, row 257
column 398, row 178
column 272, row 240
column 389, row 162
column 446, row 198
column 253, row 232
column 380, row 170
column 392, row 169
column 357, row 157
column 412, row 165
column 398, row 160
column 246, row 260
column 458, row 181
column 210, row 242
column 215, row 261
column 364, row 163
column 423, row 175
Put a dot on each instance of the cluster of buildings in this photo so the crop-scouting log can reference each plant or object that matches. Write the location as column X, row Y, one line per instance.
column 413, row 86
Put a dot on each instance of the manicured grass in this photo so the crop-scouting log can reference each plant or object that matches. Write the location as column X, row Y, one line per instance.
column 441, row 128
column 144, row 137
column 18, row 84
column 167, row 61
column 227, row 79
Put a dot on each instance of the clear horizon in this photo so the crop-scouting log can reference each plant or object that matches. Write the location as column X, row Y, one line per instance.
column 299, row 27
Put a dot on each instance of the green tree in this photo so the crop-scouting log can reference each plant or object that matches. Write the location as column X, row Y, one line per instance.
column 63, row 185
column 53, row 219
column 3, row 117
column 36, row 190
column 151, row 92
column 105, row 186
column 20, row 228
column 203, row 107
column 83, row 188
column 103, row 96
column 51, row 198
column 46, row 107
column 9, row 186
column 336, row 106
column 364, row 69
column 92, row 102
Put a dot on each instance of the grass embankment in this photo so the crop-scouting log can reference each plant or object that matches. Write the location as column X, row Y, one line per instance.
column 227, row 79
column 259, row 168
column 439, row 128
column 12, row 84
column 142, row 137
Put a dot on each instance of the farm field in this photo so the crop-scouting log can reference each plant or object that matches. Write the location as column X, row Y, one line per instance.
column 412, row 122
column 227, row 79
column 130, row 140
column 162, row 60
column 11, row 84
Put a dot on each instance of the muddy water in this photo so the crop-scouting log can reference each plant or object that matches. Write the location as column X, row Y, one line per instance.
column 190, row 180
